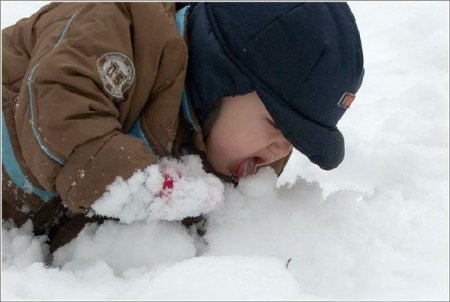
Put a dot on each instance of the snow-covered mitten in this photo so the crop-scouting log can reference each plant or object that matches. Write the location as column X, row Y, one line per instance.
column 170, row 190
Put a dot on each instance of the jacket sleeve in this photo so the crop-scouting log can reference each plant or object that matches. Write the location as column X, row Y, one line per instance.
column 68, row 124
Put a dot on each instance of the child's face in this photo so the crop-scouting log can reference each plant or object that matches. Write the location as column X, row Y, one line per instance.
column 244, row 137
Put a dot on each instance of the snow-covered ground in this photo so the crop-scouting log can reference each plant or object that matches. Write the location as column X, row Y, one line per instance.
column 376, row 228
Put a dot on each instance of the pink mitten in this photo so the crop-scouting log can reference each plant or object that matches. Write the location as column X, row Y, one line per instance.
column 171, row 190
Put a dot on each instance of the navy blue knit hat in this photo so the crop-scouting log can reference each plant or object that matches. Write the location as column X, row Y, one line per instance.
column 304, row 60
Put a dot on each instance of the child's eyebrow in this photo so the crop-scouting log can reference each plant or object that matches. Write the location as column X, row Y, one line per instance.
column 270, row 118
column 272, row 122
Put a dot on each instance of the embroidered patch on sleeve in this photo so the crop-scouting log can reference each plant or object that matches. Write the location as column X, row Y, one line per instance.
column 116, row 71
column 346, row 100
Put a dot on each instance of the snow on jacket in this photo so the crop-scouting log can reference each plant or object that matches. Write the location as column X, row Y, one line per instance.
column 91, row 91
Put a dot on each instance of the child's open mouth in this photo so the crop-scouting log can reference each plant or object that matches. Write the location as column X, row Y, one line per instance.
column 245, row 167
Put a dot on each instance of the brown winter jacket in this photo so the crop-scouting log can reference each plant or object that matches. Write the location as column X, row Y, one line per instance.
column 77, row 77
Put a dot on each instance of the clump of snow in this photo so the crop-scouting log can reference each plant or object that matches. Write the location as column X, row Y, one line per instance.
column 142, row 198
column 20, row 248
column 127, row 246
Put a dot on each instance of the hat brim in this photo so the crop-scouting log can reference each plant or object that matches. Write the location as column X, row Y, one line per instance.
column 324, row 146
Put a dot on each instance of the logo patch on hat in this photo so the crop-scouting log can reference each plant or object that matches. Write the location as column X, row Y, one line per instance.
column 116, row 72
column 346, row 100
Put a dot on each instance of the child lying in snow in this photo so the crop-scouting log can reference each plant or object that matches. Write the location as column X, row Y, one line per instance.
column 94, row 92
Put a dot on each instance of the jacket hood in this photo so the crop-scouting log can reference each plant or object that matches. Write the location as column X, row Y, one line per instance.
column 211, row 74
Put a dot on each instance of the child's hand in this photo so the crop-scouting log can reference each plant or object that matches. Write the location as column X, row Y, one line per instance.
column 186, row 190
column 171, row 190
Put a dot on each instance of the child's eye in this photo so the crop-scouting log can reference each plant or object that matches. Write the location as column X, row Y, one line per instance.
column 272, row 123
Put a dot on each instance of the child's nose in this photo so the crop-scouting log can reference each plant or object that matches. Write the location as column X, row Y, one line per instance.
column 280, row 148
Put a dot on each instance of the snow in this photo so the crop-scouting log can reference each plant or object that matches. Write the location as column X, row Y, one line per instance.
column 239, row 277
column 108, row 243
column 20, row 248
column 375, row 228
